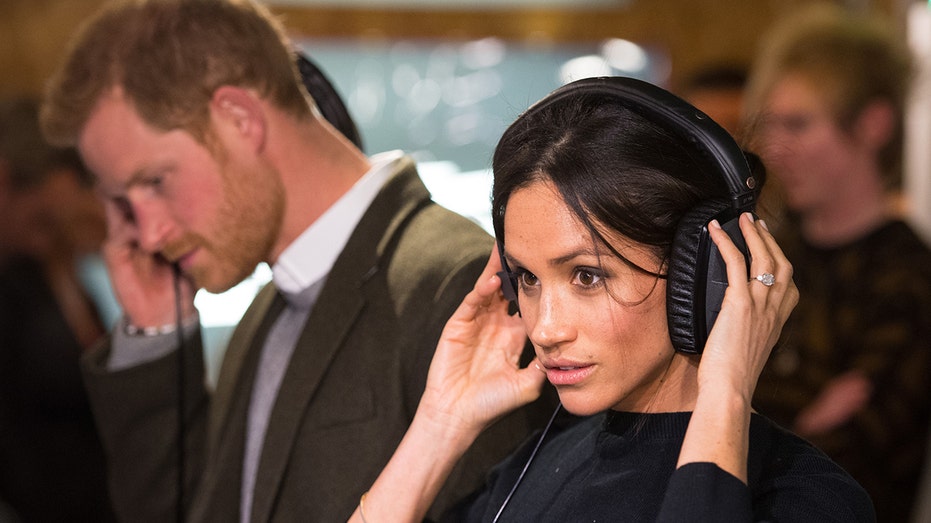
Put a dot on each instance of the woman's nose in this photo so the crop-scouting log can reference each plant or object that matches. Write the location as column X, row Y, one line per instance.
column 552, row 321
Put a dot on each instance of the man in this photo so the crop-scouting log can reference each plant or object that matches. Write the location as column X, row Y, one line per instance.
column 851, row 374
column 211, row 158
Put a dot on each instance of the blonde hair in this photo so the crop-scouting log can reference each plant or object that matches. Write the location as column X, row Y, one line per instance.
column 853, row 59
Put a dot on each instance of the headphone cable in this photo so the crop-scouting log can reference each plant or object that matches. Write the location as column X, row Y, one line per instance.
column 527, row 464
column 181, row 383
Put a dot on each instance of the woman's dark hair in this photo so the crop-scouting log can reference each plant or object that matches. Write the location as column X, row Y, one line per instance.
column 616, row 170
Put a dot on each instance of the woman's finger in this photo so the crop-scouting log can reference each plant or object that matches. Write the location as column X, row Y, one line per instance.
column 761, row 255
column 734, row 260
column 782, row 268
column 486, row 293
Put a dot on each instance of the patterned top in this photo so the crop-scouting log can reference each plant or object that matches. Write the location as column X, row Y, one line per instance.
column 865, row 306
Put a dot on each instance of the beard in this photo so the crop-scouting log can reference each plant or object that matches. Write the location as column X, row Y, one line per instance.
column 246, row 226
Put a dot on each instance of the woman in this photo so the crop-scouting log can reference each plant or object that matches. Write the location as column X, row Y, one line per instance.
column 588, row 194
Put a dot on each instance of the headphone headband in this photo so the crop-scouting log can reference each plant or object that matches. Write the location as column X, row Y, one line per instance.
column 717, row 147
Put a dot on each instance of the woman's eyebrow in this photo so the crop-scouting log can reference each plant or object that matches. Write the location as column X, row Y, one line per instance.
column 572, row 255
column 559, row 260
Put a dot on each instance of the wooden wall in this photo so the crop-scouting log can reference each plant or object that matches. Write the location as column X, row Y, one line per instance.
column 34, row 32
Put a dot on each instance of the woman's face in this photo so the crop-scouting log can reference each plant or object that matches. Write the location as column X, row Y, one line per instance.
column 598, row 325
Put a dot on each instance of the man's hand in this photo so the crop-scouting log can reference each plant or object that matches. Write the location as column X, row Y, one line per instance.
column 143, row 282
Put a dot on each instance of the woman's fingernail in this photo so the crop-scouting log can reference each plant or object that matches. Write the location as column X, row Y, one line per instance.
column 763, row 223
column 715, row 224
column 750, row 217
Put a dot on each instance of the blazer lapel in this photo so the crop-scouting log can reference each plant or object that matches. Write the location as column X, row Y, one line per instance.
column 266, row 305
column 218, row 496
column 315, row 350
column 338, row 307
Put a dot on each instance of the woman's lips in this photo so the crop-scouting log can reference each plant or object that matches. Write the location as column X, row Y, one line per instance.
column 568, row 374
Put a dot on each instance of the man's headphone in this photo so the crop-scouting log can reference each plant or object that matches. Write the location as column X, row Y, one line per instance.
column 696, row 274
column 328, row 100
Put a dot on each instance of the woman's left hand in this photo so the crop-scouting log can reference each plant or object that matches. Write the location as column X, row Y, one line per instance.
column 752, row 314
column 748, row 326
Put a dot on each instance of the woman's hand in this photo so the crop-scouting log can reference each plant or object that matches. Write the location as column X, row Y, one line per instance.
column 746, row 329
column 475, row 375
column 752, row 314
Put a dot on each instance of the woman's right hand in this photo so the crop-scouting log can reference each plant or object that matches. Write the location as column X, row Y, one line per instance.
column 475, row 376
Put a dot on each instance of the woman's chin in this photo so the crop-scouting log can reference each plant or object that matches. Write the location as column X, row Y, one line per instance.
column 578, row 403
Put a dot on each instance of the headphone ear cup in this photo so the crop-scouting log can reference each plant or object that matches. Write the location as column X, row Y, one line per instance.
column 508, row 281
column 687, row 277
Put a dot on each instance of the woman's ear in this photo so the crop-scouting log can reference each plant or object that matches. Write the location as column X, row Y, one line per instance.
column 240, row 113
column 875, row 125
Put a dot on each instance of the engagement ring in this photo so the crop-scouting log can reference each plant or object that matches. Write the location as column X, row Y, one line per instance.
column 766, row 279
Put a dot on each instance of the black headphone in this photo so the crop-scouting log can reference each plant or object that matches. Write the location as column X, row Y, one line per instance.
column 696, row 274
column 328, row 100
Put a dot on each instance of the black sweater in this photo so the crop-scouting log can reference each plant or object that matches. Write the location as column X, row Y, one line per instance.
column 622, row 467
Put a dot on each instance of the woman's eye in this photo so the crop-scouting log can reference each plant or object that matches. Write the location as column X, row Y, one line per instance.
column 588, row 277
column 526, row 279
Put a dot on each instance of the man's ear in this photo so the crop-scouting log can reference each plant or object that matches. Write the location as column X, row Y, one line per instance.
column 240, row 111
column 875, row 125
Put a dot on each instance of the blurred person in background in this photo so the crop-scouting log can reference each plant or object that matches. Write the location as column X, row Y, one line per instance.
column 52, row 464
column 826, row 104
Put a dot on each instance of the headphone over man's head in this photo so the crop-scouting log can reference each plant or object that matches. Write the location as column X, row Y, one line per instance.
column 696, row 276
column 328, row 100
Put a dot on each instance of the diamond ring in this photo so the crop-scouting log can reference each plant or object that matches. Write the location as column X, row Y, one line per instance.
column 766, row 279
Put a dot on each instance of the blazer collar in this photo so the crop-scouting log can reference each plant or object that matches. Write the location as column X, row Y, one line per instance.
column 341, row 300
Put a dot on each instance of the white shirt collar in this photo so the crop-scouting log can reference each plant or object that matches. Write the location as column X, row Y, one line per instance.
column 311, row 256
